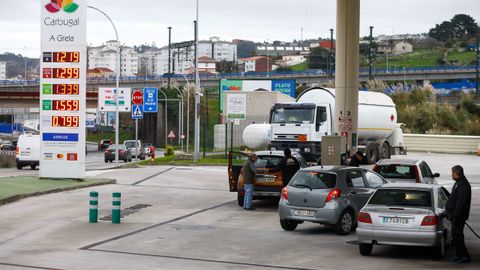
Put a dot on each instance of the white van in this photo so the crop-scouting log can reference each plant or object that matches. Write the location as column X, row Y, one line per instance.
column 28, row 151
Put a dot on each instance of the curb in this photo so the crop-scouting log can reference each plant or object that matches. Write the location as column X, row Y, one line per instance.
column 57, row 190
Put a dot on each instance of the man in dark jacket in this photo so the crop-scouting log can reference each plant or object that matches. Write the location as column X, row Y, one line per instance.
column 249, row 172
column 458, row 210
column 288, row 165
column 357, row 160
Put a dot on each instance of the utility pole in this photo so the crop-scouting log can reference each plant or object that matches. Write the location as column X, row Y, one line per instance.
column 196, row 139
column 478, row 64
column 331, row 63
column 169, row 54
column 370, row 55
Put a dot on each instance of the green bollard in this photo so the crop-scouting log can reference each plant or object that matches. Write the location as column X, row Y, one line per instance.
column 116, row 207
column 93, row 211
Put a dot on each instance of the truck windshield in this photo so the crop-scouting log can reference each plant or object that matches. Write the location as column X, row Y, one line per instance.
column 293, row 115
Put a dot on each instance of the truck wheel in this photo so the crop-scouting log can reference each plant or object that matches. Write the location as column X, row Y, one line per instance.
column 372, row 153
column 33, row 166
column 385, row 151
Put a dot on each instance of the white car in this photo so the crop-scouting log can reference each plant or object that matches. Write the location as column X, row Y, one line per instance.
column 27, row 152
column 405, row 214
column 405, row 171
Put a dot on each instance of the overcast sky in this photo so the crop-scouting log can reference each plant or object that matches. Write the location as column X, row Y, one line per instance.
column 146, row 21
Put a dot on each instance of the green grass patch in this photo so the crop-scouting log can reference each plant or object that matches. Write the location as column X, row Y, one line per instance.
column 419, row 58
column 123, row 135
column 300, row 67
column 170, row 160
column 463, row 58
column 24, row 185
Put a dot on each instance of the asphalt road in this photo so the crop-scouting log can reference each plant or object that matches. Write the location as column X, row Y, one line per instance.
column 184, row 218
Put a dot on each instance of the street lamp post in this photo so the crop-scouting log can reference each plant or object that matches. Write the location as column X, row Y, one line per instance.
column 266, row 53
column 180, row 117
column 370, row 55
column 196, row 144
column 117, row 82
column 477, row 92
column 166, row 130
column 188, row 112
column 25, row 64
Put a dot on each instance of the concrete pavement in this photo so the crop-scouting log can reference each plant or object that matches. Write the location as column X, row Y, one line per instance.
column 191, row 221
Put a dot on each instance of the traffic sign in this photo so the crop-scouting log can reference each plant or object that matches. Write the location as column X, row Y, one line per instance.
column 150, row 99
column 137, row 97
column 137, row 111
column 171, row 135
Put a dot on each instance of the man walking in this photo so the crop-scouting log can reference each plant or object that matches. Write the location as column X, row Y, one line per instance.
column 288, row 165
column 458, row 210
column 249, row 172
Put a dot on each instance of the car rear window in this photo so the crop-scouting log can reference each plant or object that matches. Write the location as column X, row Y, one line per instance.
column 112, row 147
column 267, row 161
column 401, row 197
column 396, row 171
column 314, row 180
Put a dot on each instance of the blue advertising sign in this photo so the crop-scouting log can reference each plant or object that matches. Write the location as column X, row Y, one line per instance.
column 60, row 137
column 137, row 111
column 150, row 99
column 286, row 87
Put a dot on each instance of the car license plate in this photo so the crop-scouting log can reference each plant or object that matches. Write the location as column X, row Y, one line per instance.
column 265, row 180
column 304, row 213
column 395, row 220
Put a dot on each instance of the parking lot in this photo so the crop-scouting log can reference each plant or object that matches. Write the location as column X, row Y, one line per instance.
column 185, row 218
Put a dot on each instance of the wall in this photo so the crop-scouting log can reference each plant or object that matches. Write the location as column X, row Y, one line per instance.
column 442, row 143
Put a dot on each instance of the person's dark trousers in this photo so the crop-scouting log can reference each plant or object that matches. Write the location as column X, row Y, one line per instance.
column 458, row 238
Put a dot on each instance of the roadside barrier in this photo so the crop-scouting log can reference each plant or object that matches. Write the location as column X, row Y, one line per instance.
column 116, row 207
column 93, row 212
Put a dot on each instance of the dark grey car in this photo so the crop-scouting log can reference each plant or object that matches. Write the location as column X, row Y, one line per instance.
column 327, row 195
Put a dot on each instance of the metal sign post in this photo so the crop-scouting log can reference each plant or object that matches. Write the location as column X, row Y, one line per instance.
column 137, row 113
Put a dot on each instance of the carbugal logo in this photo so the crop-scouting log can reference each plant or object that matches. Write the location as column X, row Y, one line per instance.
column 56, row 5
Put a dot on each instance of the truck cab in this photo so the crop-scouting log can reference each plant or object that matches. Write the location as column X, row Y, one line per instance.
column 300, row 126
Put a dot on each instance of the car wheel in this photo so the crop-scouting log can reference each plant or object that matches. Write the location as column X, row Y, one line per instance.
column 365, row 249
column 125, row 160
column 33, row 167
column 240, row 199
column 345, row 223
column 439, row 251
column 106, row 160
column 288, row 225
column 19, row 167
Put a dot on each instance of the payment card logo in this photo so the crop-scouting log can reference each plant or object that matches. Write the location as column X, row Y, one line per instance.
column 56, row 5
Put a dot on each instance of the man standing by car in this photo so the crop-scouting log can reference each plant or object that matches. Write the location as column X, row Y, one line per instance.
column 458, row 210
column 357, row 160
column 288, row 165
column 249, row 172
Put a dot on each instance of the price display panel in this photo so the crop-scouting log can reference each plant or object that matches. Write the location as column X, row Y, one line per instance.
column 61, row 57
column 66, row 89
column 65, row 121
column 66, row 73
column 65, row 105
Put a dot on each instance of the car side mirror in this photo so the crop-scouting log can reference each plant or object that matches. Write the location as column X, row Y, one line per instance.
column 436, row 175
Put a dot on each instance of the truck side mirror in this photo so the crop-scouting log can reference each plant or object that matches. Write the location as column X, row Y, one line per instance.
column 321, row 117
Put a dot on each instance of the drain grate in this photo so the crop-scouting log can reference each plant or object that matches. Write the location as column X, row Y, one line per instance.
column 128, row 211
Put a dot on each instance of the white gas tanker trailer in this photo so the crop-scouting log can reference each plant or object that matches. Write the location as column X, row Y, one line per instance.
column 300, row 125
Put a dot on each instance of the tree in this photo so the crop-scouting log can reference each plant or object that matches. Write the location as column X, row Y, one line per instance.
column 461, row 26
column 226, row 66
column 318, row 58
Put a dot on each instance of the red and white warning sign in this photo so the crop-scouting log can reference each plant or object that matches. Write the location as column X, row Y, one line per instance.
column 171, row 135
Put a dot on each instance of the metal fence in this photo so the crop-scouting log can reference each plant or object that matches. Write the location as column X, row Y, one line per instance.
column 453, row 144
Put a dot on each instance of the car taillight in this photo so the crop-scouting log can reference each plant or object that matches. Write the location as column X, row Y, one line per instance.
column 429, row 221
column 17, row 151
column 285, row 194
column 302, row 137
column 417, row 175
column 335, row 193
column 364, row 217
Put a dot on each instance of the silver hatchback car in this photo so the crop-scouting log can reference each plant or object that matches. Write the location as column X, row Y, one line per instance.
column 405, row 214
column 327, row 195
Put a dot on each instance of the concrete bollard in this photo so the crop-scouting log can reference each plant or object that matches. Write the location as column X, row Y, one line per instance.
column 93, row 211
column 116, row 207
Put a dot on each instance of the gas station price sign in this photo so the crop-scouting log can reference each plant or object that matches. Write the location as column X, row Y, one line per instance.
column 63, row 88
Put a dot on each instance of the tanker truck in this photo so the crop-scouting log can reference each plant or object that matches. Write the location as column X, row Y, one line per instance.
column 300, row 125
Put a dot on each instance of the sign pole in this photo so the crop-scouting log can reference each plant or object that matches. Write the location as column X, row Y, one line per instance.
column 136, row 140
